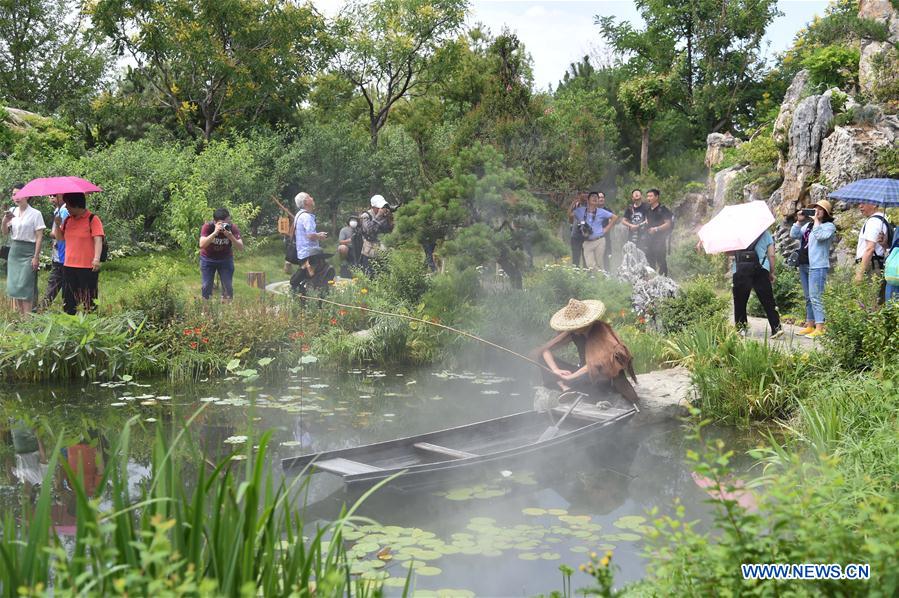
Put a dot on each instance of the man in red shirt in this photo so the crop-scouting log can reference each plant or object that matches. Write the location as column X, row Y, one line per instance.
column 83, row 234
column 217, row 242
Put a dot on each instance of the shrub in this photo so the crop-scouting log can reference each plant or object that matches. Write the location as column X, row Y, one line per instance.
column 155, row 293
column 888, row 162
column 788, row 295
column 833, row 66
column 860, row 334
column 402, row 277
column 685, row 262
column 696, row 302
column 649, row 350
column 556, row 284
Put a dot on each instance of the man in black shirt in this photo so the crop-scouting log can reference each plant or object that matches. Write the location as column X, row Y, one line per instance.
column 635, row 220
column 659, row 223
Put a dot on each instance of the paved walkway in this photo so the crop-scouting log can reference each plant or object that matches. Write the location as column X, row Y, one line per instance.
column 758, row 329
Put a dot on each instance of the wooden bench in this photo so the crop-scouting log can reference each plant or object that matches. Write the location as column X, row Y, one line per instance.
column 342, row 466
column 442, row 450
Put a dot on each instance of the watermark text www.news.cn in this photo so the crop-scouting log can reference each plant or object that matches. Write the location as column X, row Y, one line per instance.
column 805, row 571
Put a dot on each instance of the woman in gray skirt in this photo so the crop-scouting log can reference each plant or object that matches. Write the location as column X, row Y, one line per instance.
column 25, row 227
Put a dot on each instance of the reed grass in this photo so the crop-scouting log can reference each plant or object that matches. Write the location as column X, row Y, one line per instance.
column 230, row 530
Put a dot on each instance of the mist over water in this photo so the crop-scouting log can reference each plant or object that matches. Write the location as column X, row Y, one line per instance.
column 501, row 530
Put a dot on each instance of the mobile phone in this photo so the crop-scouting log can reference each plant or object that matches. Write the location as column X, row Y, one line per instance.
column 809, row 212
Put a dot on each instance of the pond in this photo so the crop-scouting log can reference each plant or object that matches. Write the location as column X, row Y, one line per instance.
column 501, row 531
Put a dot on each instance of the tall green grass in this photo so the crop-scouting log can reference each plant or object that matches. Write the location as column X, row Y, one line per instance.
column 228, row 530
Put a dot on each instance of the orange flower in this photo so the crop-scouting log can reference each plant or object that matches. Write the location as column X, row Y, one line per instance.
column 622, row 313
column 205, row 340
column 188, row 332
column 333, row 321
column 198, row 330
column 304, row 348
column 641, row 320
column 193, row 345
column 342, row 312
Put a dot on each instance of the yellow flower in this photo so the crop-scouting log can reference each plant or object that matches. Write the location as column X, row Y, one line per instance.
column 331, row 282
column 604, row 561
column 363, row 291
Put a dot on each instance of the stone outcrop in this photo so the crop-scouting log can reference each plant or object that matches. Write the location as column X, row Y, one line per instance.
column 850, row 153
column 648, row 293
column 884, row 12
column 721, row 185
column 634, row 265
column 788, row 106
column 715, row 145
column 811, row 123
column 692, row 211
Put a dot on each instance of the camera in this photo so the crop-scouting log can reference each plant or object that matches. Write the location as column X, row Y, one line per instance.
column 808, row 212
column 227, row 227
column 585, row 229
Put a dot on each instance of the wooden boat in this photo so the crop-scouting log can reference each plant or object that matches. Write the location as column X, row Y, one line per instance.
column 445, row 451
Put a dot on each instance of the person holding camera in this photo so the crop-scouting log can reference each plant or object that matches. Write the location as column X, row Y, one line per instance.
column 593, row 227
column 375, row 221
column 575, row 216
column 349, row 246
column 218, row 239
column 815, row 230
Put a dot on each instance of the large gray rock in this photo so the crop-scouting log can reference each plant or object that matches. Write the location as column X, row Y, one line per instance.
column 788, row 106
column 721, row 185
column 634, row 265
column 664, row 393
column 692, row 211
column 884, row 12
column 715, row 145
column 850, row 152
column 812, row 121
column 648, row 294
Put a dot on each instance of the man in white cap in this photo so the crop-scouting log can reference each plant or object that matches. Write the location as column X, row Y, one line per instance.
column 305, row 236
column 376, row 220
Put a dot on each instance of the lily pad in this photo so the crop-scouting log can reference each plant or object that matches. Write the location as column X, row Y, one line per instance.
column 579, row 549
column 534, row 511
column 550, row 556
column 428, row 571
column 395, row 582
column 529, row 556
column 557, row 512
column 630, row 522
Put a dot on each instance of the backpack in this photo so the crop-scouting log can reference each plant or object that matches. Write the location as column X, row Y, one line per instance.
column 891, row 232
column 104, row 252
column 747, row 260
column 290, row 242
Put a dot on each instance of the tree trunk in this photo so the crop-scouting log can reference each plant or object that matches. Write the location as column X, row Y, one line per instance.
column 644, row 149
column 373, row 131
column 512, row 271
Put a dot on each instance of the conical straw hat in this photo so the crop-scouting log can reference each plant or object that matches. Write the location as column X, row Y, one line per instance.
column 577, row 314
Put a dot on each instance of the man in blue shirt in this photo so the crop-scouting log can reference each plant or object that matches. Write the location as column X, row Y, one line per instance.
column 307, row 238
column 54, row 285
column 753, row 269
column 599, row 220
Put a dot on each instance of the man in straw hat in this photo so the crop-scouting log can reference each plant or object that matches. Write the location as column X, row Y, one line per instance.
column 602, row 355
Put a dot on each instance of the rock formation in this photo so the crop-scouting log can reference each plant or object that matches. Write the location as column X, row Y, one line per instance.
column 811, row 123
column 788, row 106
column 884, row 12
column 715, row 144
column 850, row 153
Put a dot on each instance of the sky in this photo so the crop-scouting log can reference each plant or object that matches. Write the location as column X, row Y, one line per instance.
column 557, row 33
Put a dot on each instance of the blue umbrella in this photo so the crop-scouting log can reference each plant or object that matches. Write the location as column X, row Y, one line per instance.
column 880, row 192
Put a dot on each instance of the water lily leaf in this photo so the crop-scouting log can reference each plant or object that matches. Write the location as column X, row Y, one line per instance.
column 579, row 549
column 455, row 594
column 534, row 511
column 395, row 582
column 550, row 556
column 575, row 518
column 367, row 547
column 557, row 512
column 630, row 522
column 624, row 537
column 428, row 571
column 605, row 547
column 529, row 556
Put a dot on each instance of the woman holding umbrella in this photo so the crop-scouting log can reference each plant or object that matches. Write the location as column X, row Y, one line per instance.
column 25, row 227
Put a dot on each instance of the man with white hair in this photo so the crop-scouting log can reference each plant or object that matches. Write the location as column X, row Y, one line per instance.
column 378, row 219
column 305, row 235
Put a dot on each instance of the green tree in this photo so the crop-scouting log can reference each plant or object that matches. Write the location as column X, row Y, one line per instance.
column 394, row 48
column 482, row 212
column 642, row 98
column 46, row 61
column 212, row 63
column 712, row 46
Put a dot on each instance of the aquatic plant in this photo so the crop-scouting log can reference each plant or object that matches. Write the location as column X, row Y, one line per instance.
column 740, row 380
column 227, row 530
column 61, row 347
column 860, row 333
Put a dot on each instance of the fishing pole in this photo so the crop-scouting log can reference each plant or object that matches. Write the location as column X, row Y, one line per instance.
column 431, row 323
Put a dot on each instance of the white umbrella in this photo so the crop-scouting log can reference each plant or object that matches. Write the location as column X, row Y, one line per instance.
column 736, row 227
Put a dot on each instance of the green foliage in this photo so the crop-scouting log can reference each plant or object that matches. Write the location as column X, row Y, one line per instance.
column 788, row 295
column 47, row 61
column 87, row 347
column 697, row 302
column 483, row 213
column 860, row 334
column 233, row 530
column 833, row 66
column 649, row 349
column 234, row 63
column 402, row 278
column 685, row 263
column 155, row 293
column 740, row 380
column 888, row 162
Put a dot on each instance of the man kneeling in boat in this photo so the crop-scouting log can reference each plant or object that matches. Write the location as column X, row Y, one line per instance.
column 602, row 355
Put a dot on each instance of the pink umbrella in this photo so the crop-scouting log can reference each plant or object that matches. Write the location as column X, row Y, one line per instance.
column 57, row 184
column 736, row 227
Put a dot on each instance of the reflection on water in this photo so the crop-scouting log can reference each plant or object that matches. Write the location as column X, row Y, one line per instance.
column 501, row 530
